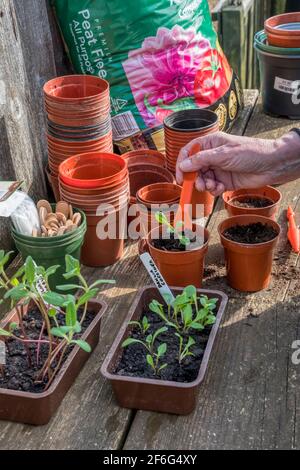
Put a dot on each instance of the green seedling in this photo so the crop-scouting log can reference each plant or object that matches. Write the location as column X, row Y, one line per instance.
column 143, row 325
column 177, row 230
column 153, row 359
column 21, row 289
column 184, row 351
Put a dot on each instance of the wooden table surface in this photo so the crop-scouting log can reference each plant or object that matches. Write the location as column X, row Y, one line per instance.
column 250, row 398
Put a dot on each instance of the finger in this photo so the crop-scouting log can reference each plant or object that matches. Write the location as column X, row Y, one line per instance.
column 182, row 156
column 220, row 189
column 210, row 184
column 207, row 159
column 200, row 184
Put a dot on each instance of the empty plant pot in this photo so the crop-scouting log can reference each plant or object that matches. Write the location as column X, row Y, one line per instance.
column 248, row 265
column 74, row 88
column 284, row 30
column 93, row 170
column 54, row 183
column 180, row 268
column 159, row 193
column 279, row 71
column 136, row 157
column 38, row 408
column 153, row 394
column 98, row 252
column 143, row 175
column 243, row 201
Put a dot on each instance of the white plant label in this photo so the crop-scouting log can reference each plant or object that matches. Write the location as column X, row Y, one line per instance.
column 286, row 86
column 2, row 353
column 157, row 277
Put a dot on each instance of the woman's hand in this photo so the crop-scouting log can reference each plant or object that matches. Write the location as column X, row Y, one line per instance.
column 229, row 162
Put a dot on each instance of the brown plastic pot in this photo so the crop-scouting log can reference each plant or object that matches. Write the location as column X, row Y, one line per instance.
column 284, row 30
column 102, row 253
column 159, row 193
column 248, row 267
column 136, row 157
column 54, row 183
column 76, row 88
column 38, row 408
column 240, row 195
column 150, row 394
column 182, row 268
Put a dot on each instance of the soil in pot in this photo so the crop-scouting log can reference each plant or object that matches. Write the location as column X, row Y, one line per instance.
column 250, row 234
column 173, row 242
column 18, row 374
column 133, row 362
column 252, row 202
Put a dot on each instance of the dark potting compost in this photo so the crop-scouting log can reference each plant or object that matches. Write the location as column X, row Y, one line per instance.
column 252, row 202
column 173, row 243
column 18, row 374
column 133, row 361
column 251, row 234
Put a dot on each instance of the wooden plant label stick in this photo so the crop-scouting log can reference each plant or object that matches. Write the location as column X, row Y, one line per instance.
column 157, row 278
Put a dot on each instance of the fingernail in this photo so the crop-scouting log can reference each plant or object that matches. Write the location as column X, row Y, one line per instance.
column 186, row 165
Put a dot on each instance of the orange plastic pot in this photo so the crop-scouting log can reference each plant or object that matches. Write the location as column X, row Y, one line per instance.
column 240, row 195
column 53, row 181
column 202, row 204
column 248, row 267
column 114, row 187
column 100, row 253
column 143, row 175
column 159, row 193
column 74, row 88
column 136, row 157
column 284, row 30
column 93, row 170
column 180, row 269
column 148, row 220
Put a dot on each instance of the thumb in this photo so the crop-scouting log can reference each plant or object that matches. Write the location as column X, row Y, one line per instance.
column 205, row 159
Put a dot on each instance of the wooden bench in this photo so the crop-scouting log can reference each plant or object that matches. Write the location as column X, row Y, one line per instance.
column 250, row 396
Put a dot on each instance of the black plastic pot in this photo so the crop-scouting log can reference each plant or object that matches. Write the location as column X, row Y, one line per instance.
column 279, row 70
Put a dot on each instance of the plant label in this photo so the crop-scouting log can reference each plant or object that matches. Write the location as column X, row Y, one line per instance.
column 157, row 278
column 2, row 353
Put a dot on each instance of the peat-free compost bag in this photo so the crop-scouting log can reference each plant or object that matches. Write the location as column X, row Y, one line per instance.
column 159, row 56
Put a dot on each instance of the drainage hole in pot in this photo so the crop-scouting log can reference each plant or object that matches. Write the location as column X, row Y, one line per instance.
column 251, row 234
column 251, row 202
column 133, row 362
column 17, row 373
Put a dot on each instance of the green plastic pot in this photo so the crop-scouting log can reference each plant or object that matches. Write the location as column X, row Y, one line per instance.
column 48, row 252
column 261, row 43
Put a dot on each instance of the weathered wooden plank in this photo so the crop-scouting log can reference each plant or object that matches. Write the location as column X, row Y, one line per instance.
column 250, row 396
column 89, row 417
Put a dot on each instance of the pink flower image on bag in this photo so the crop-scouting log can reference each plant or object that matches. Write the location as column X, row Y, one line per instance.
column 162, row 73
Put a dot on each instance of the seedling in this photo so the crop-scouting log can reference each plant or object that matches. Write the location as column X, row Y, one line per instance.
column 143, row 325
column 21, row 289
column 153, row 356
column 177, row 230
column 184, row 351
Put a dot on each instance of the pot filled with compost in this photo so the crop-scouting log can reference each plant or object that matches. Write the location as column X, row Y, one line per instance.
column 161, row 353
column 261, row 201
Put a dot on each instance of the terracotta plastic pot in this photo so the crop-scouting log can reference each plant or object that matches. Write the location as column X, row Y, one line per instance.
column 248, row 266
column 38, row 408
column 143, row 175
column 54, row 183
column 284, row 30
column 266, row 192
column 93, row 170
column 136, row 157
column 147, row 217
column 101, row 253
column 74, row 88
column 150, row 394
column 202, row 204
column 159, row 193
column 182, row 268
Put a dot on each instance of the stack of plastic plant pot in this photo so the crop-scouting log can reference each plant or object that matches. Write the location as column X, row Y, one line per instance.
column 98, row 184
column 180, row 129
column 78, row 119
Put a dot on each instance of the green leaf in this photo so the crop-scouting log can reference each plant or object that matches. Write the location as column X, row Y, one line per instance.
column 150, row 361
column 190, row 343
column 16, row 293
column 211, row 320
column 168, row 298
column 162, row 219
column 162, row 367
column 130, row 341
column 77, row 327
column 71, row 314
column 145, row 324
column 149, row 339
column 187, row 314
column 203, row 300
column 13, row 326
column 135, row 323
column 156, row 307
column 196, row 326
column 191, row 292
column 66, row 329
column 5, row 333
column 30, row 270
column 68, row 287
column 55, row 299
column 52, row 270
column 58, row 333
column 4, row 258
column 83, row 345
column 161, row 351
column 87, row 296
column 98, row 283
column 159, row 332
column 72, row 265
column 184, row 240
column 52, row 312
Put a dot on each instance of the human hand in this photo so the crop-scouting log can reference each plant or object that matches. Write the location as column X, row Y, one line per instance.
column 229, row 162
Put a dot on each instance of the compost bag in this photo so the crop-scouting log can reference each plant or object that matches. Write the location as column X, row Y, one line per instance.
column 159, row 56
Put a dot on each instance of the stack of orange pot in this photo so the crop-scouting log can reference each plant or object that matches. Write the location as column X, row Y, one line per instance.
column 98, row 184
column 180, row 129
column 78, row 111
